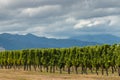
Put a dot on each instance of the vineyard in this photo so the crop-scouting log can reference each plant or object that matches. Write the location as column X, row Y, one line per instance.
column 99, row 59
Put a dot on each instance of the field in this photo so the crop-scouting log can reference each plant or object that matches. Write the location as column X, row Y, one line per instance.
column 11, row 74
column 47, row 64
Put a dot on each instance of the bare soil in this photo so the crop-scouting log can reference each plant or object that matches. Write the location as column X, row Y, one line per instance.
column 6, row 74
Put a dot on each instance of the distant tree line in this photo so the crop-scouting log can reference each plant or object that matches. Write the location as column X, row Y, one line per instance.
column 95, row 59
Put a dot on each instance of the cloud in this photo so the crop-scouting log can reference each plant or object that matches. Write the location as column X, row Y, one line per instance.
column 71, row 20
column 91, row 22
column 40, row 11
column 60, row 18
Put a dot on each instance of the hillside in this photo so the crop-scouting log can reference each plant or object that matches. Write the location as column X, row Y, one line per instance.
column 13, row 42
column 101, row 38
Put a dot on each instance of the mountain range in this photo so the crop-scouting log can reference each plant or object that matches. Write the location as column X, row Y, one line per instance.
column 16, row 42
column 99, row 38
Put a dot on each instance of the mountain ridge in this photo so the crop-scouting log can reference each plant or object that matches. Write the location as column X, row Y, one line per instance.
column 16, row 42
column 99, row 38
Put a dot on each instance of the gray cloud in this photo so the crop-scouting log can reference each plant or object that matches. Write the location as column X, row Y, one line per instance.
column 60, row 18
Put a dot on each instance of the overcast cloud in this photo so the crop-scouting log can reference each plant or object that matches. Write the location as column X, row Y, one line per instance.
column 60, row 18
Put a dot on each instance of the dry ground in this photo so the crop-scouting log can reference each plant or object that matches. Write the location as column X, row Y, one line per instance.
column 32, row 75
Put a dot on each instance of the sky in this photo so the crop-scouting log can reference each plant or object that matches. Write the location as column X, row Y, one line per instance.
column 60, row 18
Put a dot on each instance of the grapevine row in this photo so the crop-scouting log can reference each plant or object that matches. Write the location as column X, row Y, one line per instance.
column 96, row 59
